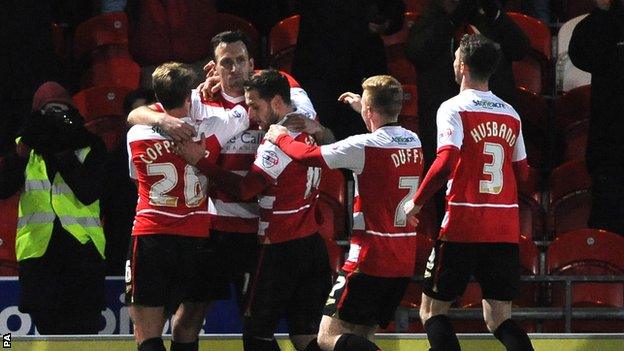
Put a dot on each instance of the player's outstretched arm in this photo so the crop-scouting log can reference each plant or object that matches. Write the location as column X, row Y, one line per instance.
column 177, row 129
column 243, row 188
column 309, row 155
column 352, row 99
column 436, row 178
column 301, row 123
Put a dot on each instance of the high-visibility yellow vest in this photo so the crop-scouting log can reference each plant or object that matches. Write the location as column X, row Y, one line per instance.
column 41, row 202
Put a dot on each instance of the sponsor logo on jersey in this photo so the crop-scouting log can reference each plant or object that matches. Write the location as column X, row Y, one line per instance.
column 403, row 140
column 488, row 104
column 270, row 159
column 236, row 114
column 159, row 130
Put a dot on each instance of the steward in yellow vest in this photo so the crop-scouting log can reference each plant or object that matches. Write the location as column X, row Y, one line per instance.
column 58, row 168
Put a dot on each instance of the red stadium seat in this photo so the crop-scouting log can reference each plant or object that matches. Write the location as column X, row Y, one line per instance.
column 531, row 218
column 587, row 252
column 283, row 35
column 102, row 108
column 572, row 106
column 107, row 29
column 8, row 230
column 113, row 71
column 533, row 111
column 532, row 186
column 408, row 118
column 538, row 33
column 575, row 141
column 226, row 21
column 532, row 108
column 568, row 178
column 570, row 198
column 533, row 72
column 282, row 41
column 97, row 102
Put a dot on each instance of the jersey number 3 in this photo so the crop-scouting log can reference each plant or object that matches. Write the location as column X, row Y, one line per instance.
column 494, row 169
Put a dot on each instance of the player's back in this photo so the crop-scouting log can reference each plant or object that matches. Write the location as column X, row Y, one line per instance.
column 390, row 174
column 172, row 194
column 287, row 205
column 487, row 131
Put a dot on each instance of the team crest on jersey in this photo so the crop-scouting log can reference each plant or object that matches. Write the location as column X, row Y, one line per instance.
column 236, row 114
column 270, row 159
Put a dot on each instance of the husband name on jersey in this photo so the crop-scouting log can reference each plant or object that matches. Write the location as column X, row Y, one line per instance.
column 404, row 156
column 491, row 128
column 156, row 150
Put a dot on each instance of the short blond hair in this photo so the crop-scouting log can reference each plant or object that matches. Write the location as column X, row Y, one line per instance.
column 172, row 83
column 386, row 95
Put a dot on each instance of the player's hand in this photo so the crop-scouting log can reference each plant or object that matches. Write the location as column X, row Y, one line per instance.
column 275, row 131
column 190, row 151
column 212, row 84
column 411, row 210
column 352, row 99
column 176, row 128
column 301, row 123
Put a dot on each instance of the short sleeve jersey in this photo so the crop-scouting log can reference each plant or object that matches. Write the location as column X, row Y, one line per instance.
column 227, row 213
column 482, row 201
column 172, row 194
column 387, row 165
column 287, row 205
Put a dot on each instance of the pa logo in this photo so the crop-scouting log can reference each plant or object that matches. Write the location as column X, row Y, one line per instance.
column 270, row 159
column 6, row 341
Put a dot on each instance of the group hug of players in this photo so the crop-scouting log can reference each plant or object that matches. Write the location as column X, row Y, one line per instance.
column 228, row 178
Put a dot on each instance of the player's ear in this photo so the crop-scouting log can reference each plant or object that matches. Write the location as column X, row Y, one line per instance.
column 251, row 63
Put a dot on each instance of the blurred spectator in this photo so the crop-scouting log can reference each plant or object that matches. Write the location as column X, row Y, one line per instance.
column 171, row 30
column 58, row 167
column 539, row 9
column 338, row 46
column 27, row 60
column 119, row 200
column 597, row 46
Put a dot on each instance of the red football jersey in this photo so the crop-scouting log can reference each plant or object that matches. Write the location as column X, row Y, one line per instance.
column 387, row 165
column 482, row 200
column 287, row 205
column 172, row 194
column 237, row 155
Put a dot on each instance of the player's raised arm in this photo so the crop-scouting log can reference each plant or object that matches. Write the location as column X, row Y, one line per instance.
column 352, row 99
column 177, row 129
